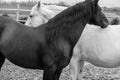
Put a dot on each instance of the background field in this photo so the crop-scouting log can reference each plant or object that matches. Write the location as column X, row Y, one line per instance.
column 12, row 72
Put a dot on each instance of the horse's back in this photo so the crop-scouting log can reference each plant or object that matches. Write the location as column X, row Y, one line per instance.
column 55, row 7
column 93, row 33
column 98, row 37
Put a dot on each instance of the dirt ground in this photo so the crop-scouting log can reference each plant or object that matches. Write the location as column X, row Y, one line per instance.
column 12, row 72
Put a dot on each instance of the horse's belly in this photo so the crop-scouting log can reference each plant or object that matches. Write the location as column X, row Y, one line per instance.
column 25, row 60
column 22, row 54
column 104, row 58
column 106, row 63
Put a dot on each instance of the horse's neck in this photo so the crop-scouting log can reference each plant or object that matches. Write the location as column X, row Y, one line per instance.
column 69, row 34
column 76, row 33
column 70, row 23
column 81, row 23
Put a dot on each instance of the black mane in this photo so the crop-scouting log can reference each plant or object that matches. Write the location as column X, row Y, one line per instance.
column 72, row 14
column 62, row 25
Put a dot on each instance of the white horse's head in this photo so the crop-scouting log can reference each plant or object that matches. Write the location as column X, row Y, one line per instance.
column 41, row 13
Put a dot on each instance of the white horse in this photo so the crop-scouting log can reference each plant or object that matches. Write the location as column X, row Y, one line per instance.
column 100, row 47
column 41, row 13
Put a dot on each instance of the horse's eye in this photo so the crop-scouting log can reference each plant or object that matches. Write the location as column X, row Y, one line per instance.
column 30, row 16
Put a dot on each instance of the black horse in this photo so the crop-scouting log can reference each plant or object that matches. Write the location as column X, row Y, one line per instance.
column 48, row 47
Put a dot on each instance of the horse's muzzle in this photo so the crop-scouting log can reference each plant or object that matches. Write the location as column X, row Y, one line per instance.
column 105, row 25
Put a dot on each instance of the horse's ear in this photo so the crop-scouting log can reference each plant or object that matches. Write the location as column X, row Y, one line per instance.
column 39, row 4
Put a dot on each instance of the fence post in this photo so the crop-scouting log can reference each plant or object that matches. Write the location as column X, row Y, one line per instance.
column 17, row 13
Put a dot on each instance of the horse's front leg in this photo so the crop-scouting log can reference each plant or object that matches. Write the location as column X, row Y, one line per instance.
column 52, row 73
column 76, row 65
column 73, row 69
column 80, row 69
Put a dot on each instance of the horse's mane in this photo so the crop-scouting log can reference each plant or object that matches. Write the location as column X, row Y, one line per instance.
column 76, row 12
column 63, row 23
